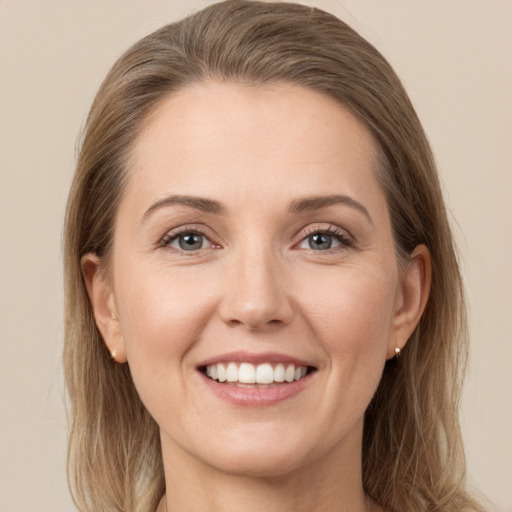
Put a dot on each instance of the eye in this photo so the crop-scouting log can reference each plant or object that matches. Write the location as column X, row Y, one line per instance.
column 326, row 239
column 186, row 241
column 320, row 241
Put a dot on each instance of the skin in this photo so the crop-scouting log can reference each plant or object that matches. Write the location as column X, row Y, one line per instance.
column 257, row 285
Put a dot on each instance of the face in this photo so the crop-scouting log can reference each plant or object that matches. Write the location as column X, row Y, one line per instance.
column 254, row 282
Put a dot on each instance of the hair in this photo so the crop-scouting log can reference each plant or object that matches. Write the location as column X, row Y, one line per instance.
column 412, row 450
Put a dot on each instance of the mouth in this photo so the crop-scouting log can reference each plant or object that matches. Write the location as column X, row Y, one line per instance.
column 245, row 374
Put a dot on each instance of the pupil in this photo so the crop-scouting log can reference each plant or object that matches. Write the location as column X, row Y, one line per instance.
column 320, row 241
column 191, row 242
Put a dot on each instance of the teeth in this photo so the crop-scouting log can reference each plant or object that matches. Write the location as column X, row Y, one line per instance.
column 289, row 374
column 247, row 373
column 279, row 373
column 264, row 374
column 221, row 373
column 232, row 372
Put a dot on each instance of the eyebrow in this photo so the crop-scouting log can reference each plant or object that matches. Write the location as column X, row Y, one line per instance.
column 317, row 202
column 297, row 206
column 199, row 203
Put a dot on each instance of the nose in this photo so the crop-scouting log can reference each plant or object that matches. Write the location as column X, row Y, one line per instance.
column 256, row 295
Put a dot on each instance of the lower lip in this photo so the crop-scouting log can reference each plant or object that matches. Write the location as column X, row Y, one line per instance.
column 254, row 396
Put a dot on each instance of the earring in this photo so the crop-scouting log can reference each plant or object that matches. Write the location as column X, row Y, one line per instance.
column 397, row 352
column 113, row 355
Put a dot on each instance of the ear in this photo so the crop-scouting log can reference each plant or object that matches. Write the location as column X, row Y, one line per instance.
column 102, row 298
column 412, row 298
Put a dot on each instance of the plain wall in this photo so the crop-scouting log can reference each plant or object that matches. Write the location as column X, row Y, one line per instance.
column 454, row 57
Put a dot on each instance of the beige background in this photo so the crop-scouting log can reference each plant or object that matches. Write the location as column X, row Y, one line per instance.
column 454, row 57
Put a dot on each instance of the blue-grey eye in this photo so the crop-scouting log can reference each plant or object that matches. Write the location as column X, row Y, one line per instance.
column 324, row 241
column 188, row 241
column 320, row 241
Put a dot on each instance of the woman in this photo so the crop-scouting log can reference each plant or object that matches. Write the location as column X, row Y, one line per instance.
column 264, row 306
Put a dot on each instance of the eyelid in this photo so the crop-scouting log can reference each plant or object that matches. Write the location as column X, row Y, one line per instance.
column 343, row 235
column 197, row 229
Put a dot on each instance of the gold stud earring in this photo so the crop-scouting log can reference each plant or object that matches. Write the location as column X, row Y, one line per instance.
column 397, row 352
column 113, row 355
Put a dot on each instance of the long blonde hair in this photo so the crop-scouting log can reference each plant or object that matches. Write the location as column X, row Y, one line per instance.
column 412, row 453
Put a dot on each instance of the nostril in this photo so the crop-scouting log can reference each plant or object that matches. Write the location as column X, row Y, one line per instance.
column 255, row 325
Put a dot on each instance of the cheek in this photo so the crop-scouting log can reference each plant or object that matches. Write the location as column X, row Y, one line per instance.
column 352, row 309
column 353, row 325
column 162, row 314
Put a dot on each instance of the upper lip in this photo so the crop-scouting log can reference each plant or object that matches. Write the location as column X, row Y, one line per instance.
column 254, row 358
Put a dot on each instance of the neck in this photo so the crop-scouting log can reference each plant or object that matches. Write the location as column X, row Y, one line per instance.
column 332, row 483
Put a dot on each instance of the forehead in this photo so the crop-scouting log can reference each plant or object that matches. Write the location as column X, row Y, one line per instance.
column 270, row 141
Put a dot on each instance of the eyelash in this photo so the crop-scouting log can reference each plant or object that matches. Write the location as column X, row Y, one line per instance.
column 345, row 240
column 171, row 236
column 339, row 235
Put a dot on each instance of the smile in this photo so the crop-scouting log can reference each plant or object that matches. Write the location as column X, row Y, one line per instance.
column 265, row 374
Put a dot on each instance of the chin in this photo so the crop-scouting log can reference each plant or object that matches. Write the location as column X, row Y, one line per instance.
column 258, row 463
column 261, row 453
